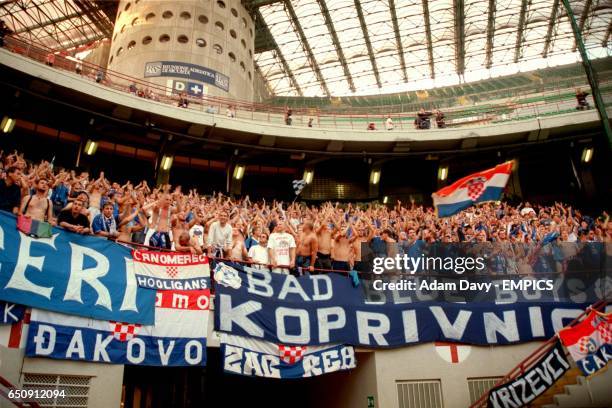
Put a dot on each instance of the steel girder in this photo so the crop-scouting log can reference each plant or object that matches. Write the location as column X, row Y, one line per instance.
column 520, row 30
column 48, row 16
column 311, row 58
column 332, row 31
column 428, row 36
column 95, row 15
column 282, row 59
column 551, row 26
column 398, row 38
column 54, row 33
column 459, row 15
column 366, row 37
column 46, row 23
column 87, row 40
column 490, row 33
column 583, row 19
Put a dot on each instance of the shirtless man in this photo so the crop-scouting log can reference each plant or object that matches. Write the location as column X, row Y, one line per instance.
column 324, row 238
column 341, row 251
column 38, row 206
column 363, row 235
column 180, row 225
column 159, row 230
column 131, row 221
column 185, row 243
column 238, row 251
column 307, row 247
column 133, row 224
column 96, row 190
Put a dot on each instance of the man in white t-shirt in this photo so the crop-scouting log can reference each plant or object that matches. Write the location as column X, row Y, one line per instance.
column 281, row 249
column 527, row 210
column 258, row 253
column 219, row 239
column 389, row 123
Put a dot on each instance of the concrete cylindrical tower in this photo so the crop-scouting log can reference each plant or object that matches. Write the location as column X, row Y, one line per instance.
column 201, row 46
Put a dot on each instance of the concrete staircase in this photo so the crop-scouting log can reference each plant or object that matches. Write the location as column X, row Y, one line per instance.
column 573, row 390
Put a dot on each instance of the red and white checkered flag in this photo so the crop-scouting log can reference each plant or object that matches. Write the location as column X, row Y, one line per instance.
column 124, row 331
column 172, row 271
column 291, row 354
column 476, row 187
column 604, row 331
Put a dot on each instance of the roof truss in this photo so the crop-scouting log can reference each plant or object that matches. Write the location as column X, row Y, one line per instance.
column 490, row 33
column 583, row 18
column 398, row 39
column 459, row 16
column 520, row 31
column 427, row 21
column 366, row 37
column 551, row 25
column 281, row 58
column 332, row 31
column 306, row 46
column 58, row 25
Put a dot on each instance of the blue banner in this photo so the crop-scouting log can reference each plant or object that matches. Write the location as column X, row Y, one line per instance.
column 185, row 70
column 178, row 337
column 11, row 312
column 73, row 274
column 322, row 309
column 258, row 358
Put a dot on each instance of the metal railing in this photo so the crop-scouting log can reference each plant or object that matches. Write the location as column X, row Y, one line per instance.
column 548, row 103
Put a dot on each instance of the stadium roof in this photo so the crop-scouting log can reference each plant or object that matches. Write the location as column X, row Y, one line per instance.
column 345, row 47
column 359, row 47
column 60, row 24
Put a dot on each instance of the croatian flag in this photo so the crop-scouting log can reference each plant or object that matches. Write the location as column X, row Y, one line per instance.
column 178, row 337
column 590, row 342
column 486, row 185
column 259, row 358
column 171, row 270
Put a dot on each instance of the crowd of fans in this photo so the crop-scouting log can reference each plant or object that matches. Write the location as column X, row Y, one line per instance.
column 283, row 235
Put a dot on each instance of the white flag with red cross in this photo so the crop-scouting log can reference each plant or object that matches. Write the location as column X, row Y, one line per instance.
column 453, row 353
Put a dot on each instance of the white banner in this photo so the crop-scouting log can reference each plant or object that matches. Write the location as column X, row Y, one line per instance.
column 171, row 270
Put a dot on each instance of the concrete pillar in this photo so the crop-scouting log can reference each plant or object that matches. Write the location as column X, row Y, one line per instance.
column 204, row 47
